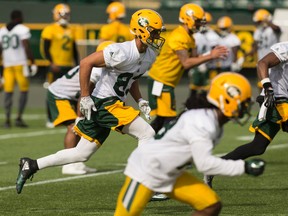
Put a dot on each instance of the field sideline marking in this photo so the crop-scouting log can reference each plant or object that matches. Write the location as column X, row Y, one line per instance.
column 63, row 179
column 32, row 134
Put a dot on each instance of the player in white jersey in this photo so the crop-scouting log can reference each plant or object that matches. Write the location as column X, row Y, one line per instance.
column 160, row 164
column 232, row 42
column 15, row 49
column 273, row 113
column 123, row 64
column 201, row 76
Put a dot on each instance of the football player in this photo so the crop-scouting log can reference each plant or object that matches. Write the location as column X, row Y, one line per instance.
column 16, row 54
column 58, row 46
column 160, row 164
column 273, row 113
column 115, row 30
column 62, row 98
column 175, row 57
column 232, row 42
column 265, row 35
column 122, row 65
column 200, row 76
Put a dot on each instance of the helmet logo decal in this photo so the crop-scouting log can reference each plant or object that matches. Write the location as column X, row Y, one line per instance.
column 189, row 13
column 143, row 22
column 233, row 91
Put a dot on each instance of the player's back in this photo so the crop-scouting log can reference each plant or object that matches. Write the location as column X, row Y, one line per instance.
column 116, row 31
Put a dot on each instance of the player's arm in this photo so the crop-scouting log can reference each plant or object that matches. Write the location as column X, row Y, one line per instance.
column 47, row 45
column 268, row 61
column 189, row 62
column 135, row 91
column 275, row 28
column 96, row 59
column 28, row 50
column 75, row 54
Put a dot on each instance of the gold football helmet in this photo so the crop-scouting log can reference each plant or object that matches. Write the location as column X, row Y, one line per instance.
column 103, row 45
column 224, row 25
column 208, row 17
column 115, row 10
column 147, row 25
column 61, row 14
column 262, row 15
column 231, row 93
column 192, row 15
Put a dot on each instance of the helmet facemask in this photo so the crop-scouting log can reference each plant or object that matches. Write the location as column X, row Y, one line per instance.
column 154, row 40
column 242, row 115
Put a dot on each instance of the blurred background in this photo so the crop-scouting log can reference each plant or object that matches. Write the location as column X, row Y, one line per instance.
column 87, row 16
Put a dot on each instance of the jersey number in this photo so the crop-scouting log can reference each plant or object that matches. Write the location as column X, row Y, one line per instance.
column 122, row 83
column 65, row 45
column 10, row 42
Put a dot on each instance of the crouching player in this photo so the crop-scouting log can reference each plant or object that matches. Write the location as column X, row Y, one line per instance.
column 189, row 138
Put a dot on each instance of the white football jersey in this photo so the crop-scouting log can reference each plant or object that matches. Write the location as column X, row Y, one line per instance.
column 157, row 163
column 13, row 51
column 231, row 40
column 124, row 65
column 279, row 74
column 265, row 38
column 68, row 86
column 205, row 42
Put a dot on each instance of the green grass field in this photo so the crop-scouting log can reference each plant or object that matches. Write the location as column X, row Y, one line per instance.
column 51, row 193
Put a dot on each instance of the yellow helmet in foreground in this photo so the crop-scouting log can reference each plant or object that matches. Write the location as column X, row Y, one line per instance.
column 231, row 93
column 147, row 25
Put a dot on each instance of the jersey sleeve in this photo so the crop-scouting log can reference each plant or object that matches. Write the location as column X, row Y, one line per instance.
column 281, row 51
column 47, row 33
column 177, row 42
column 24, row 33
column 114, row 55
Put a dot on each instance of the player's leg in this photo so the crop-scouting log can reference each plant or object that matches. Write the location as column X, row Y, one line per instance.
column 9, row 82
column 139, row 129
column 132, row 199
column 188, row 189
column 23, row 83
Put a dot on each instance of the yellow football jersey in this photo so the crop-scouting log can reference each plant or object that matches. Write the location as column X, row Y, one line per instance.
column 167, row 68
column 116, row 31
column 62, row 40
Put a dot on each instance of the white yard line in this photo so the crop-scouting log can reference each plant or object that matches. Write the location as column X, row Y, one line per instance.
column 63, row 179
column 32, row 134
column 28, row 116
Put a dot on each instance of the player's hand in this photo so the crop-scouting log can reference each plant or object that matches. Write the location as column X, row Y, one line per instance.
column 86, row 106
column 144, row 108
column 235, row 67
column 254, row 166
column 33, row 70
column 219, row 52
column 269, row 95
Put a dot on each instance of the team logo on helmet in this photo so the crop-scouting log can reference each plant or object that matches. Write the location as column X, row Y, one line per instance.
column 143, row 22
column 233, row 91
column 189, row 13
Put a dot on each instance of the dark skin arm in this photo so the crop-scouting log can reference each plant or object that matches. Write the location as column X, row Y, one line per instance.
column 135, row 91
column 268, row 61
column 28, row 50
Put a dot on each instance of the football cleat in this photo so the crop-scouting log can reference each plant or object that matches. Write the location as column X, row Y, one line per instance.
column 159, row 197
column 26, row 171
column 208, row 179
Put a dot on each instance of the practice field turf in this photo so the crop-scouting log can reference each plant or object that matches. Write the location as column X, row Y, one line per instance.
column 51, row 193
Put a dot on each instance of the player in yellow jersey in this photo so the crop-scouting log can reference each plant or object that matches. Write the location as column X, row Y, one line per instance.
column 115, row 30
column 58, row 46
column 58, row 43
column 178, row 54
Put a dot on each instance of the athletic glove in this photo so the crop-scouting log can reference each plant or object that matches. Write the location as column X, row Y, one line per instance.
column 144, row 108
column 33, row 70
column 86, row 106
column 254, row 166
column 269, row 95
